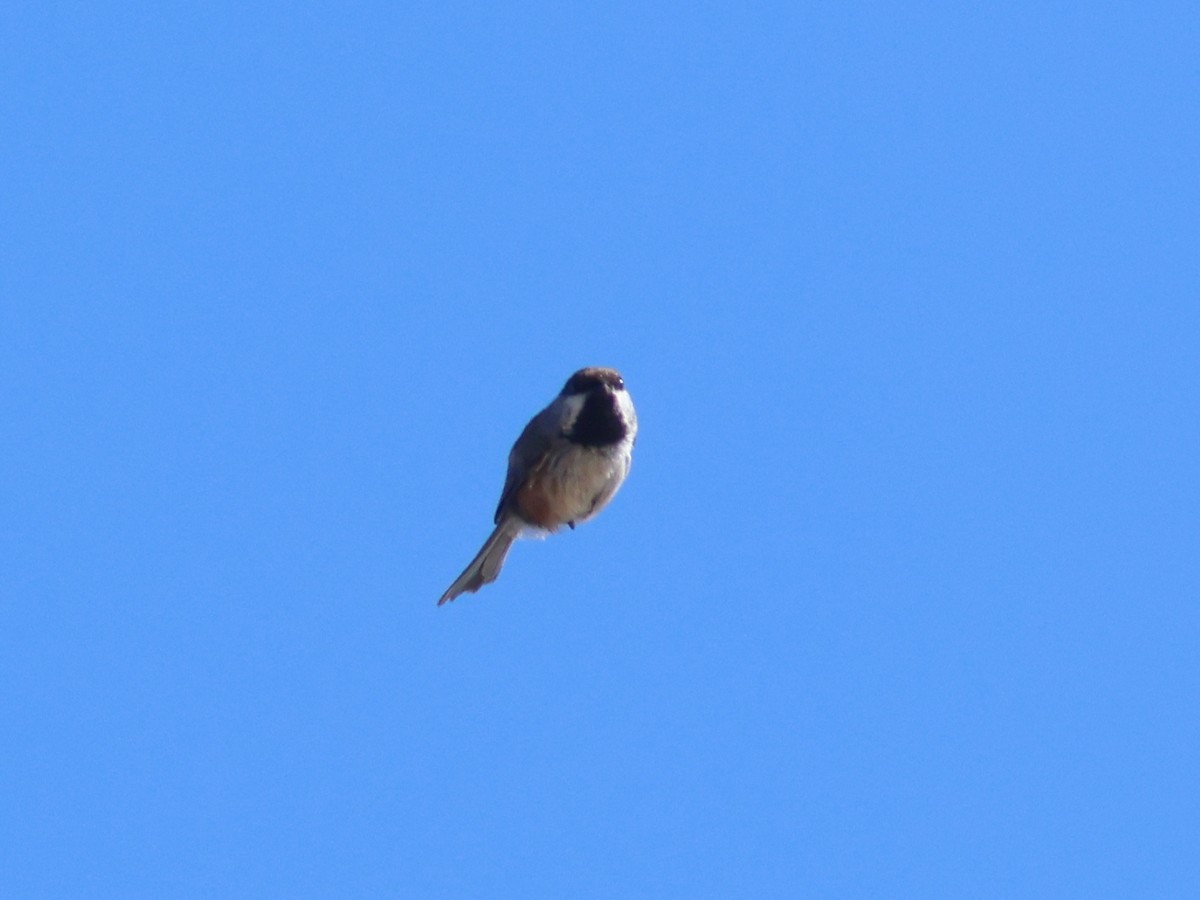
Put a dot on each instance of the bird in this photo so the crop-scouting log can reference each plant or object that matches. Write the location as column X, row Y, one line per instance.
column 565, row 467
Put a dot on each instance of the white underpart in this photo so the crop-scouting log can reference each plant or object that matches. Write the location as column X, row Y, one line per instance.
column 606, row 468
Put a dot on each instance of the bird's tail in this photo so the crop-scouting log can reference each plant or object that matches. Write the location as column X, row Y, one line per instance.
column 487, row 562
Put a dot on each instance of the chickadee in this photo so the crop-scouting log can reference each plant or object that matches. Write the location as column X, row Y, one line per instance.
column 564, row 468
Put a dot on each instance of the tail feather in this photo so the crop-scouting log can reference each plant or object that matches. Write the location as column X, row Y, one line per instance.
column 486, row 565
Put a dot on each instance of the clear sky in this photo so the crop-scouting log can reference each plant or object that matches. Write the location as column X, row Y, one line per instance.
column 901, row 596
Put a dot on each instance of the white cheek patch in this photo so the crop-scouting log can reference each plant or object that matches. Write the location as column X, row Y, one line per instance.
column 572, row 407
column 625, row 407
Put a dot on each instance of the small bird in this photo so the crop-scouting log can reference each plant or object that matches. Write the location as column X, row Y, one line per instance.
column 564, row 468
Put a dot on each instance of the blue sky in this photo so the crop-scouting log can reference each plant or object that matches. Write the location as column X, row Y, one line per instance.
column 900, row 598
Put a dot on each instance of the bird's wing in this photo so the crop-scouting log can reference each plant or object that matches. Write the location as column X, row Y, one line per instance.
column 526, row 454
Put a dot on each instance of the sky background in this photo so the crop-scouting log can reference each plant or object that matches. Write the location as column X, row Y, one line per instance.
column 900, row 598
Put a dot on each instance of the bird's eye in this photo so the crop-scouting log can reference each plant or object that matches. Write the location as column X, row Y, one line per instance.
column 619, row 384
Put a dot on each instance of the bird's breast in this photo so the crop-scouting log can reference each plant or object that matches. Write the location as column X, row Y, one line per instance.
column 570, row 486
